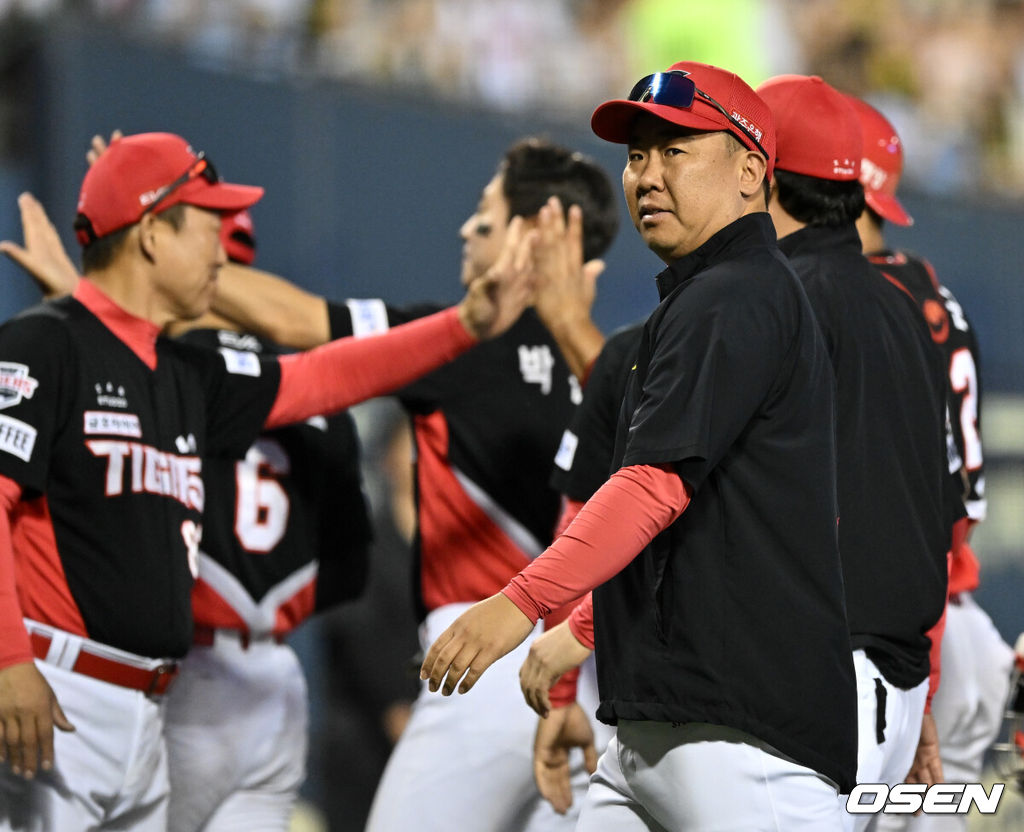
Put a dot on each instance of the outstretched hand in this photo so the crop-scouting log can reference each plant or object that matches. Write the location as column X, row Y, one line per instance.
column 564, row 729
column 495, row 300
column 43, row 256
column 551, row 654
column 476, row 639
column 28, row 713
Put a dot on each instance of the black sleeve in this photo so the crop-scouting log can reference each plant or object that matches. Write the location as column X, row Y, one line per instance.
column 345, row 532
column 37, row 383
column 366, row 317
column 715, row 355
column 584, row 459
column 239, row 390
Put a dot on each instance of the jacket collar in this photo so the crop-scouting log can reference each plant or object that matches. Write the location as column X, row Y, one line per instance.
column 752, row 230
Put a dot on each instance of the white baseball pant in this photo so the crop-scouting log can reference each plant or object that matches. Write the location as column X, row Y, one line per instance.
column 888, row 729
column 703, row 778
column 466, row 761
column 236, row 728
column 968, row 706
column 109, row 774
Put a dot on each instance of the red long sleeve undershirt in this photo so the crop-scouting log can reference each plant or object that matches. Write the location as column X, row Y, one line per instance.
column 610, row 530
column 960, row 529
column 604, row 535
column 15, row 647
column 350, row 370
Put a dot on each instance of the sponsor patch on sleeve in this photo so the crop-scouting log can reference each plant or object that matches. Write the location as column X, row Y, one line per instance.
column 15, row 383
column 241, row 363
column 567, row 450
column 17, row 437
column 369, row 317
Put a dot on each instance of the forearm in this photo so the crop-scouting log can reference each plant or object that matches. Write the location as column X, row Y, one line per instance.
column 615, row 525
column 350, row 370
column 15, row 647
column 257, row 301
column 579, row 342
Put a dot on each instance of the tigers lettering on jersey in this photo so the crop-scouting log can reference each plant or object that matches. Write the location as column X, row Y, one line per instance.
column 151, row 471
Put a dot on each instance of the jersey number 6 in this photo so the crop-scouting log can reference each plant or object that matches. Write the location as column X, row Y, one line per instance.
column 262, row 505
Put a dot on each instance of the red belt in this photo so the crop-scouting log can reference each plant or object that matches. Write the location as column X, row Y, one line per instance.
column 152, row 682
column 205, row 636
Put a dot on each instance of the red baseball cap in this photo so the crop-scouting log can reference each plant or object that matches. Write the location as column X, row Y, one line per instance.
column 818, row 131
column 238, row 237
column 719, row 100
column 882, row 164
column 151, row 172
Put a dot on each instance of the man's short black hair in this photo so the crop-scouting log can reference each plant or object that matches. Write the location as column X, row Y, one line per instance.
column 819, row 202
column 101, row 252
column 535, row 169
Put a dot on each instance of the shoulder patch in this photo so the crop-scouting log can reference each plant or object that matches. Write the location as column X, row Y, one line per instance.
column 17, row 437
column 15, row 384
column 369, row 317
column 241, row 363
column 567, row 450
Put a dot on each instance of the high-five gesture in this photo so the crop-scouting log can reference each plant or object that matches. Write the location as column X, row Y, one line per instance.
column 43, row 255
column 496, row 299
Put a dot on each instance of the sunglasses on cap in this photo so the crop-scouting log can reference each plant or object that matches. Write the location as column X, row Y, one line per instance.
column 201, row 167
column 676, row 89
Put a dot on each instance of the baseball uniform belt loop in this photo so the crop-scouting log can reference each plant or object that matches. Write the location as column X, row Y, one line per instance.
column 151, row 681
column 207, row 636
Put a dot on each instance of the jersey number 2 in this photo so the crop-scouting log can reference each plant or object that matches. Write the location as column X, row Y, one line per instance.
column 963, row 378
column 262, row 505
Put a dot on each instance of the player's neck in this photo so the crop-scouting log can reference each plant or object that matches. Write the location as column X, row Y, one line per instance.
column 130, row 287
column 872, row 241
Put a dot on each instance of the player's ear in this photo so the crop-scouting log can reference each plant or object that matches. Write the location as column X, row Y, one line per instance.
column 752, row 170
column 146, row 236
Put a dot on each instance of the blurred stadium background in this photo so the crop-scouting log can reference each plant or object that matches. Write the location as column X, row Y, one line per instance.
column 374, row 123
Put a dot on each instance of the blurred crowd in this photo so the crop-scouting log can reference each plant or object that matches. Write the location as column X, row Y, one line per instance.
column 949, row 73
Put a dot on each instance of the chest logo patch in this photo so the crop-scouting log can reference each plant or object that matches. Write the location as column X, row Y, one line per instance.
column 109, row 395
column 15, row 384
column 112, row 423
column 535, row 364
column 241, row 363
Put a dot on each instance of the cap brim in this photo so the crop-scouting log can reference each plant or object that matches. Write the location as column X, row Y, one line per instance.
column 223, row 196
column 888, row 208
column 613, row 120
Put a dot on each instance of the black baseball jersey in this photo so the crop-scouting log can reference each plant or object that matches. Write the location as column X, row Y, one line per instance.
column 584, row 458
column 734, row 614
column 486, row 427
column 106, row 433
column 953, row 334
column 893, row 483
column 293, row 507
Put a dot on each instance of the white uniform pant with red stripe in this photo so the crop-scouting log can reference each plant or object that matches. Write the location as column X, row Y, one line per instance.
column 109, row 774
column 664, row 777
column 237, row 719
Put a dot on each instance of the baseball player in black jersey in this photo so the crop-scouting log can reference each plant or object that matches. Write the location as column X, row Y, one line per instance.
column 726, row 716
column 290, row 511
column 485, row 429
column 896, row 507
column 104, row 432
column 976, row 662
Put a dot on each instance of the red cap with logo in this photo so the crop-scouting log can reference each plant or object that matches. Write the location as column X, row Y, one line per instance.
column 818, row 131
column 882, row 164
column 151, row 172
column 238, row 237
column 695, row 95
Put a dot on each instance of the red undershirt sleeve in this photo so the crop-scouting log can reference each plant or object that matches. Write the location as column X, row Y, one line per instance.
column 613, row 527
column 581, row 621
column 350, row 370
column 15, row 647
